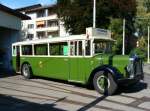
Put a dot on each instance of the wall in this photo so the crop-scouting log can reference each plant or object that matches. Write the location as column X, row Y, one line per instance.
column 8, row 36
column 62, row 30
column 9, row 21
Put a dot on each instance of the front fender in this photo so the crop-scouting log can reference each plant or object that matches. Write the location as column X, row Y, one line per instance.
column 115, row 73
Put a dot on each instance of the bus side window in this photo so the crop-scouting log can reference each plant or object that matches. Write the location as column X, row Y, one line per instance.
column 80, row 48
column 17, row 50
column 41, row 49
column 73, row 48
column 88, row 47
column 27, row 50
column 65, row 50
column 76, row 48
column 14, row 51
column 59, row 49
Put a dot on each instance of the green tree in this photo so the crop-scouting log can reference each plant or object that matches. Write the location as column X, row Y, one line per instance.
column 123, row 9
column 142, row 20
column 78, row 14
column 116, row 29
column 141, row 49
column 142, row 43
column 147, row 5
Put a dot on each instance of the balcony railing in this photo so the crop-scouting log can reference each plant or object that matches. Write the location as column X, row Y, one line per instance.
column 46, row 24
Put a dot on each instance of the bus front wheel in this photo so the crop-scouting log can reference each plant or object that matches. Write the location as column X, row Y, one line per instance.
column 26, row 71
column 104, row 83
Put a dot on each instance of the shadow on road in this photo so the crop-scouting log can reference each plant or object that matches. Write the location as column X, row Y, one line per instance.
column 8, row 103
column 60, row 81
column 132, row 88
column 4, row 75
column 121, row 89
column 92, row 104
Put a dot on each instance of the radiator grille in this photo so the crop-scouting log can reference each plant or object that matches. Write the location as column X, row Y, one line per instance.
column 138, row 70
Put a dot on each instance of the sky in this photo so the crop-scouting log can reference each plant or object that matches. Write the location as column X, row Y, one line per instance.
column 22, row 3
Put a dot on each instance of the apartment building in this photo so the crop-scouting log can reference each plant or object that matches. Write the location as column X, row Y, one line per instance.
column 44, row 22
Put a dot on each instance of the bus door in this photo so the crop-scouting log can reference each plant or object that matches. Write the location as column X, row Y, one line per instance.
column 17, row 58
column 76, row 73
column 59, row 62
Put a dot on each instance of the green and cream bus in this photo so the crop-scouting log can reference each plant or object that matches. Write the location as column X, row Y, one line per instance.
column 84, row 59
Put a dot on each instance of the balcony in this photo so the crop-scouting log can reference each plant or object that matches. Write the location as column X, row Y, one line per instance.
column 40, row 24
column 50, row 25
column 43, row 34
column 50, row 17
column 50, row 29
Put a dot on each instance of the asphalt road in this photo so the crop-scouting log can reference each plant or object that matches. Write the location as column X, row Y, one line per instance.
column 18, row 94
column 147, row 79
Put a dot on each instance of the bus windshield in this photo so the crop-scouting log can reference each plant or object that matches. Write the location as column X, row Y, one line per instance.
column 102, row 47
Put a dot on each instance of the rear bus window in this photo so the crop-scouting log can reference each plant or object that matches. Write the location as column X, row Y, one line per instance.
column 41, row 49
column 27, row 50
column 14, row 51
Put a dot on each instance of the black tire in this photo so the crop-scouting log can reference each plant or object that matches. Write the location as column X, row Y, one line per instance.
column 108, row 86
column 26, row 71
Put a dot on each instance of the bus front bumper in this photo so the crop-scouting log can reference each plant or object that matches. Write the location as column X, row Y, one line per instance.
column 128, row 81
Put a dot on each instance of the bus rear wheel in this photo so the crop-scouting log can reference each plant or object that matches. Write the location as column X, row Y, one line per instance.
column 104, row 83
column 26, row 71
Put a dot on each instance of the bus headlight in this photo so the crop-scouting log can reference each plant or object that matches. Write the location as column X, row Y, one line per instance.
column 130, row 68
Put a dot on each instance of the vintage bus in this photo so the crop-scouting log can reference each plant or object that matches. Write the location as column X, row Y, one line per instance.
column 85, row 59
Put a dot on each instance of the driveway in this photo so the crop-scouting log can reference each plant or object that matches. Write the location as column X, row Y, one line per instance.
column 18, row 94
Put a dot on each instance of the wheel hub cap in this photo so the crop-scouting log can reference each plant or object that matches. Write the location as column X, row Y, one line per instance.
column 103, row 83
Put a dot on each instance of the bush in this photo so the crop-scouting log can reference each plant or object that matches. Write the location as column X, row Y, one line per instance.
column 139, row 52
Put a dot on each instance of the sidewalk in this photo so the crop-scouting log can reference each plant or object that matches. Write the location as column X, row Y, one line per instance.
column 146, row 68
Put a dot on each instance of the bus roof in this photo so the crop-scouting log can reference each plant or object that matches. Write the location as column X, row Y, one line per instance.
column 63, row 39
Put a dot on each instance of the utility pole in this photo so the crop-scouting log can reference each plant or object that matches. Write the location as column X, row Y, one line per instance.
column 123, row 46
column 94, row 14
column 148, row 61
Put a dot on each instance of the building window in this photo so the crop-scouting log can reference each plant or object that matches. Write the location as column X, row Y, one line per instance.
column 51, row 12
column 41, row 24
column 41, row 35
column 53, row 34
column 30, row 36
column 41, row 13
column 30, row 26
column 52, row 23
